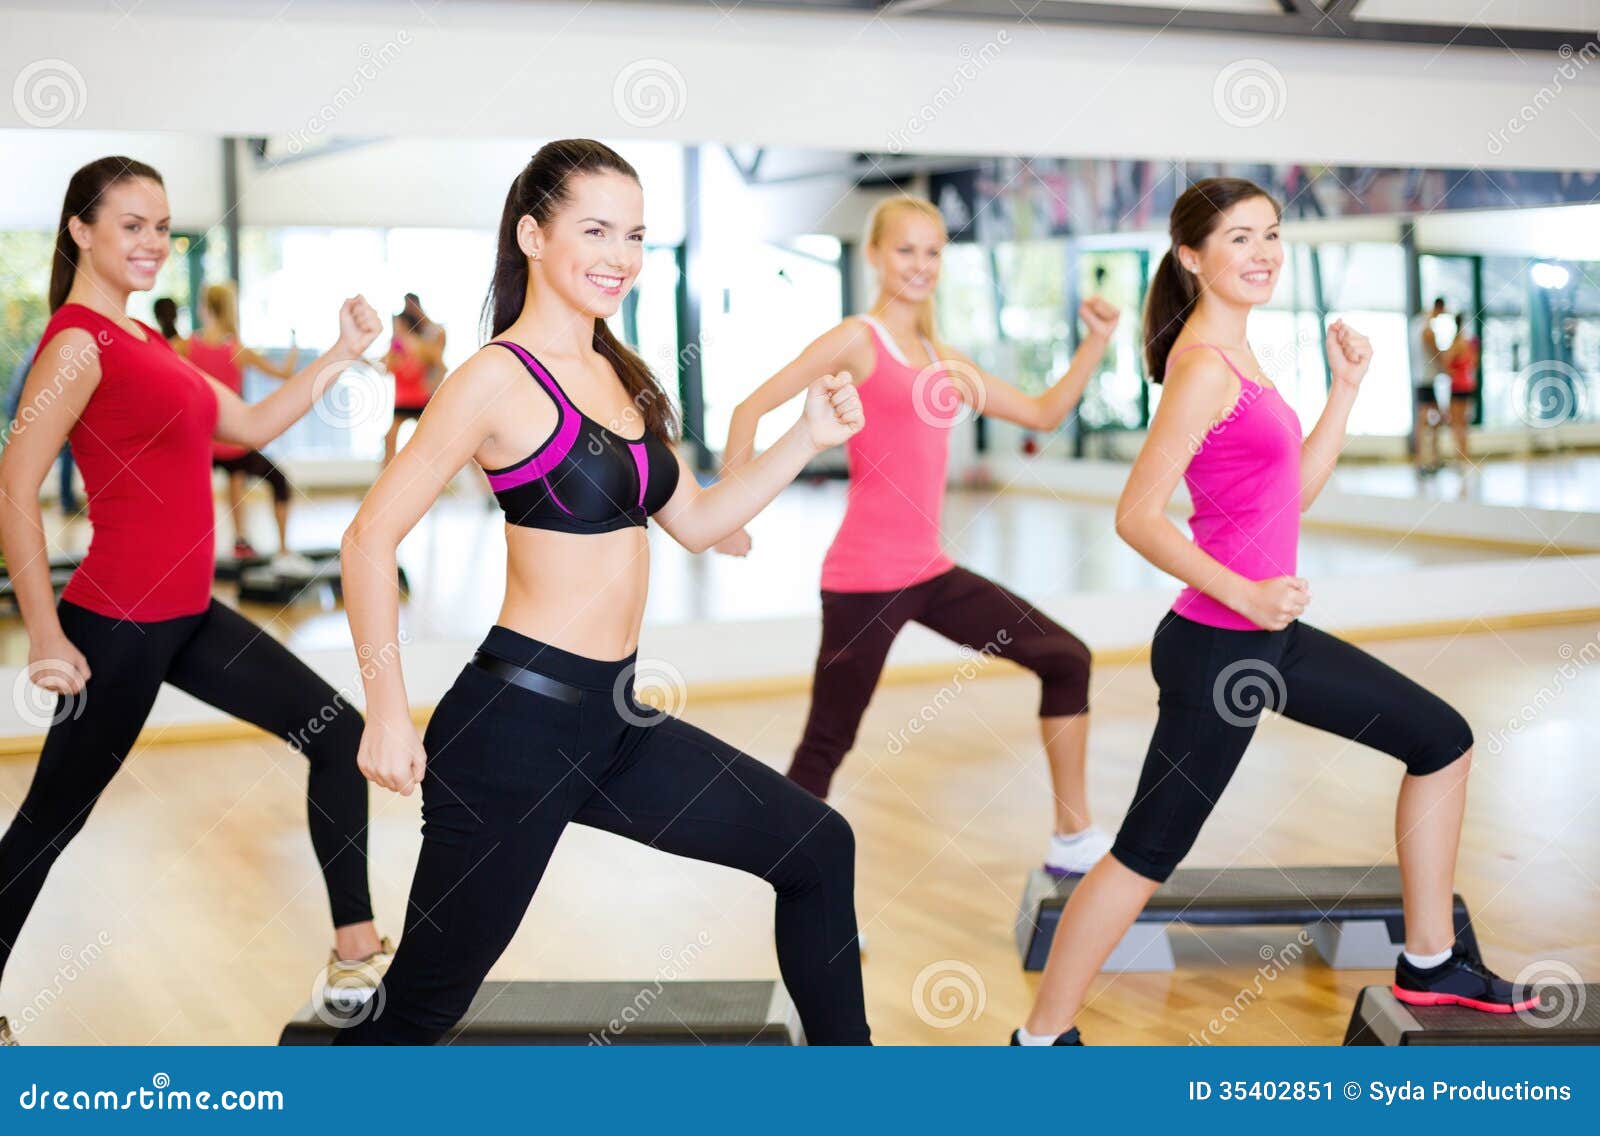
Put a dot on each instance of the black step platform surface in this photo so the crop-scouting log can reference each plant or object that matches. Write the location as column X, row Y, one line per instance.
column 1331, row 898
column 604, row 1013
column 1566, row 1015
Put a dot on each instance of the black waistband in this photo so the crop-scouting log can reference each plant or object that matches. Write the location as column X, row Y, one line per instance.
column 528, row 680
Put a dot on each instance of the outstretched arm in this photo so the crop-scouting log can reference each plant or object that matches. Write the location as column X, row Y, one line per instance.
column 698, row 518
column 993, row 396
column 254, row 424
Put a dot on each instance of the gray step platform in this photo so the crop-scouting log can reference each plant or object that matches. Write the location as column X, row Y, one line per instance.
column 603, row 1013
column 259, row 582
column 1353, row 915
column 1566, row 1015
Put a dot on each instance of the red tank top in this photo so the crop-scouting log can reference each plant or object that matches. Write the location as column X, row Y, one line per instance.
column 219, row 360
column 144, row 445
column 890, row 535
column 410, row 378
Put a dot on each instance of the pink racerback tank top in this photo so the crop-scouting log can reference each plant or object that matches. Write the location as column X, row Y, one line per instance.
column 889, row 538
column 1245, row 484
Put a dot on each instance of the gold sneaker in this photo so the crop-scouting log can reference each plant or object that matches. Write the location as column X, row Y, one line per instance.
column 6, row 1036
column 350, row 983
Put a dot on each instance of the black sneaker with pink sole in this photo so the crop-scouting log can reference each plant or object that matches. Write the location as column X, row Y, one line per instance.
column 1460, row 980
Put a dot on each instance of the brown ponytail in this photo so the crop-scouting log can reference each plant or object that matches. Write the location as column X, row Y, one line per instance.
column 539, row 191
column 84, row 193
column 1174, row 290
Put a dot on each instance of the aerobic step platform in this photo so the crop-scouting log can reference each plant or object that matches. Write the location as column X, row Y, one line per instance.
column 1353, row 915
column 603, row 1013
column 1566, row 1015
column 259, row 582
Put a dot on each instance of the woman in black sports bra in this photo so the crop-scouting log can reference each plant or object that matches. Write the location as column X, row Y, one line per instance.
column 542, row 727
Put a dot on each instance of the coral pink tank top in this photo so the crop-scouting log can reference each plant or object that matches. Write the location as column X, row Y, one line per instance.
column 890, row 534
column 1245, row 484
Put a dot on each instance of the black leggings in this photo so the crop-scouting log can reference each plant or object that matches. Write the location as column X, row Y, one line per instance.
column 1215, row 683
column 257, row 464
column 858, row 628
column 508, row 768
column 222, row 658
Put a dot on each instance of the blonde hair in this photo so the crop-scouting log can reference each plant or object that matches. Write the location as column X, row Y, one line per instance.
column 222, row 301
column 884, row 212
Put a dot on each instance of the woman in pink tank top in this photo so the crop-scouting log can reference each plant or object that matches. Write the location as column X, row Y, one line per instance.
column 1233, row 645
column 886, row 567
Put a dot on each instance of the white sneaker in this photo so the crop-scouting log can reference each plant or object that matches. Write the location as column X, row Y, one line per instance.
column 1074, row 855
column 293, row 564
column 350, row 983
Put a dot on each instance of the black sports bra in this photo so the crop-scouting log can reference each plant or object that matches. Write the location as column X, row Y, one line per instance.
column 584, row 478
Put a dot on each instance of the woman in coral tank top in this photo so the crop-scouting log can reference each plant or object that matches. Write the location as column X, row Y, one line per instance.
column 886, row 566
column 1233, row 644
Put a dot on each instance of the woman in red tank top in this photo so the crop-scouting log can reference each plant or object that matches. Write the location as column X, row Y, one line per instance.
column 886, row 567
column 216, row 350
column 1461, row 360
column 410, row 359
column 138, row 611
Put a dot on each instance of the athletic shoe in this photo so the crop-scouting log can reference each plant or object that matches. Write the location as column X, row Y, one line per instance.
column 352, row 982
column 293, row 564
column 1065, row 860
column 1460, row 980
column 1071, row 1037
column 244, row 550
column 6, row 1036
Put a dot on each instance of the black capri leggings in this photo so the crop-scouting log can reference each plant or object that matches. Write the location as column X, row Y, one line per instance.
column 1215, row 683
column 257, row 464
column 222, row 658
column 858, row 628
column 509, row 767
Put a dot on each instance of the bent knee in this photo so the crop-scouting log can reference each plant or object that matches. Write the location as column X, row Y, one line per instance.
column 1447, row 738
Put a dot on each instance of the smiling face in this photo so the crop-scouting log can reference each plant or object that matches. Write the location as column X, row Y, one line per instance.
column 907, row 255
column 590, row 250
column 130, row 237
column 1239, row 260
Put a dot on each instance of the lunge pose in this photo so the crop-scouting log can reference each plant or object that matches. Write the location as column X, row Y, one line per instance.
column 1234, row 635
column 541, row 728
column 138, row 611
column 886, row 567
